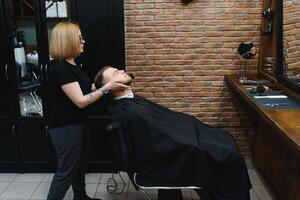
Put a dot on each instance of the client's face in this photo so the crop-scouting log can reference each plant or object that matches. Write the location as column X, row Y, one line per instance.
column 119, row 75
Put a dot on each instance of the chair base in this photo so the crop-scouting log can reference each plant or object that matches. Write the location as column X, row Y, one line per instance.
column 165, row 190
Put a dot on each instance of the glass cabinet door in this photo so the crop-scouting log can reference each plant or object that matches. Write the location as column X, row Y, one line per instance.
column 25, row 58
column 31, row 22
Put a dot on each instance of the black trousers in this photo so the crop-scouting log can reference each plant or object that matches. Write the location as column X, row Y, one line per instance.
column 71, row 146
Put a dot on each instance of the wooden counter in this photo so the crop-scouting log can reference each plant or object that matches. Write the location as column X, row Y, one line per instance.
column 276, row 145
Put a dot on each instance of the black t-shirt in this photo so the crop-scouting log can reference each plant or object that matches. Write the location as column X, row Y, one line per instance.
column 63, row 111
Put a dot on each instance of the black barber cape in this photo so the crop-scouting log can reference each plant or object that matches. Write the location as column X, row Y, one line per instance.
column 172, row 146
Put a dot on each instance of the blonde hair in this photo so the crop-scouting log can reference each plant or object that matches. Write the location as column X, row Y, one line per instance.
column 65, row 41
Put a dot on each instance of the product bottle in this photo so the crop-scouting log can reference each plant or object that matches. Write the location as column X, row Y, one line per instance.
column 21, row 59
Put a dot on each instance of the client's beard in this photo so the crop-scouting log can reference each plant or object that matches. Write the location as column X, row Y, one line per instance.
column 129, row 80
column 131, row 75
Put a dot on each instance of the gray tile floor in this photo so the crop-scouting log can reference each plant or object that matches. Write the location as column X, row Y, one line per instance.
column 36, row 186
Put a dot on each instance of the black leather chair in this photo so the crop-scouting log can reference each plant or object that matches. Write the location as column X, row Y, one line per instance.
column 143, row 183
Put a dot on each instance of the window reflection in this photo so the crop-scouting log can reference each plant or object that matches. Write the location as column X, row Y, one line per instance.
column 56, row 9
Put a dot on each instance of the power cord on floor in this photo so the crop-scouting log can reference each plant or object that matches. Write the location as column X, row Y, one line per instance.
column 112, row 185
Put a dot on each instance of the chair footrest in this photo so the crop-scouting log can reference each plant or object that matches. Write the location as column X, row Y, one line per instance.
column 152, row 183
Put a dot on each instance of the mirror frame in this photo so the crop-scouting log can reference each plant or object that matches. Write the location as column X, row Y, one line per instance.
column 281, row 72
column 268, row 44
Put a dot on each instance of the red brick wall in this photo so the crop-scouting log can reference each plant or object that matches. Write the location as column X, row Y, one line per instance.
column 180, row 55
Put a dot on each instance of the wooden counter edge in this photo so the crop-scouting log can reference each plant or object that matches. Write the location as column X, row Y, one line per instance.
column 232, row 82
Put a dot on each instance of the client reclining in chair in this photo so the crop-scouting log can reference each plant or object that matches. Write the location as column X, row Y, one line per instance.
column 174, row 147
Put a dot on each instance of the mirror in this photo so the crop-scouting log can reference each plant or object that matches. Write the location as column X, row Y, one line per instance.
column 268, row 42
column 291, row 39
column 288, row 53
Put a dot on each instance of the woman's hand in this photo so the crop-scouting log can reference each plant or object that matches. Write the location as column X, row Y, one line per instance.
column 113, row 86
column 73, row 91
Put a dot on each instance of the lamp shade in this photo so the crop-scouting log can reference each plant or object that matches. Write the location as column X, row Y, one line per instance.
column 247, row 50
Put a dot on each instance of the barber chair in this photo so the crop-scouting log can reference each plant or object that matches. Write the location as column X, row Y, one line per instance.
column 166, row 190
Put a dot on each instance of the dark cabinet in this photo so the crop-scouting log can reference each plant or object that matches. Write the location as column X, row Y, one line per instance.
column 6, row 103
column 35, row 147
column 54, row 9
column 9, row 152
column 102, row 25
column 272, row 151
column 25, row 27
column 24, row 58
column 23, row 8
column 101, row 150
column 6, row 95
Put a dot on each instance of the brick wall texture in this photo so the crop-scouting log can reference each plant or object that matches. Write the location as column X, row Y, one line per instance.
column 180, row 55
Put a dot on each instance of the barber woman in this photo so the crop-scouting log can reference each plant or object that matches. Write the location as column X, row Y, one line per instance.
column 71, row 92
